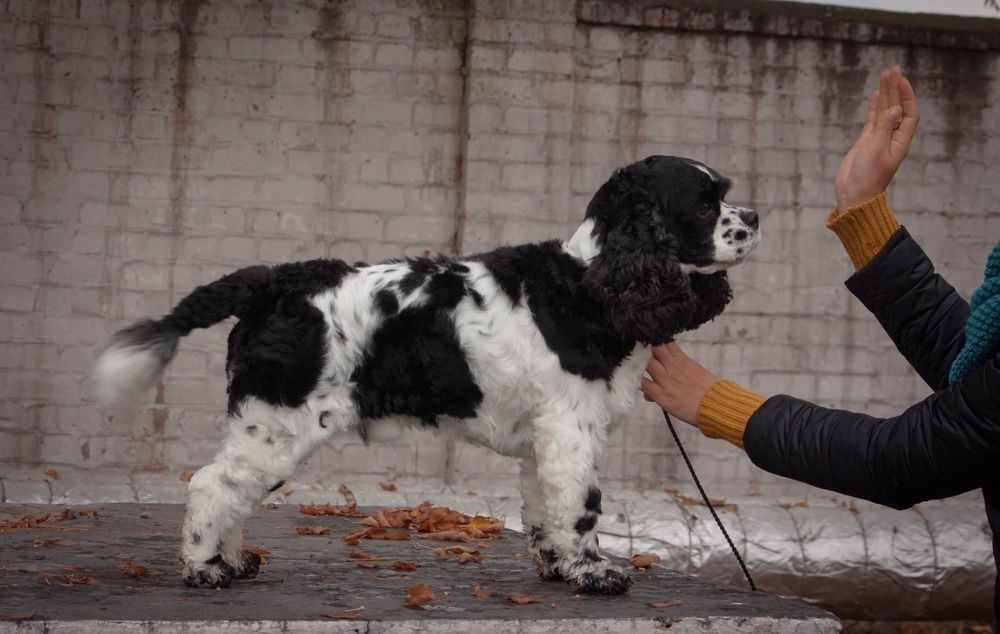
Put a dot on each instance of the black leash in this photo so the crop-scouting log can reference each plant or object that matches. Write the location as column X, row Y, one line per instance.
column 708, row 502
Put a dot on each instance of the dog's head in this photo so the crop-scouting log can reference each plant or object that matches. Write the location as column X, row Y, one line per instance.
column 664, row 238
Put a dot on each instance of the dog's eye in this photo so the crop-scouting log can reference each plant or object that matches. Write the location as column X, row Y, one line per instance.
column 705, row 210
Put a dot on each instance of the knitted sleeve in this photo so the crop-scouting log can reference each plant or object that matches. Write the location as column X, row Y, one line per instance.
column 864, row 230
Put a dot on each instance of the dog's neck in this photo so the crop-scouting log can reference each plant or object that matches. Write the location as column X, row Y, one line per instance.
column 583, row 244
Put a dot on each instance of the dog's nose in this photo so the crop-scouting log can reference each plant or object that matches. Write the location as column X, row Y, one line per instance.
column 750, row 218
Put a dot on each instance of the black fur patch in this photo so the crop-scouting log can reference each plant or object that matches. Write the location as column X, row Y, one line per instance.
column 275, row 351
column 415, row 365
column 586, row 523
column 570, row 320
column 277, row 486
column 195, row 538
column 591, row 555
column 593, row 501
column 387, row 302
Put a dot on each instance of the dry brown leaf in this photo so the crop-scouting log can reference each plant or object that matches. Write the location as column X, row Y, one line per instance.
column 348, row 495
column 26, row 521
column 387, row 486
column 67, row 514
column 360, row 554
column 482, row 594
column 371, row 521
column 405, row 566
column 441, row 552
column 447, row 536
column 475, row 556
column 17, row 618
column 52, row 473
column 486, row 524
column 525, row 599
column 418, row 595
column 45, row 543
column 313, row 530
column 665, row 604
column 186, row 475
column 366, row 563
column 643, row 561
column 135, row 570
column 330, row 509
column 69, row 579
column 382, row 534
column 260, row 552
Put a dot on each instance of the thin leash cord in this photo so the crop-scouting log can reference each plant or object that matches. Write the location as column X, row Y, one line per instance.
column 708, row 502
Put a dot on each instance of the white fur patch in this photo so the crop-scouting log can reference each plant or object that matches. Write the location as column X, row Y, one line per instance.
column 123, row 373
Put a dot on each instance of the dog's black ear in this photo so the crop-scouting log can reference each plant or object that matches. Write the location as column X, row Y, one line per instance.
column 636, row 276
column 712, row 293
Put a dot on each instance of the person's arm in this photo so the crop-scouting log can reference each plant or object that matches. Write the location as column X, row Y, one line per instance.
column 945, row 445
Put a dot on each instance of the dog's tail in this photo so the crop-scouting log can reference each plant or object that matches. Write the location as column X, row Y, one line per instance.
column 135, row 357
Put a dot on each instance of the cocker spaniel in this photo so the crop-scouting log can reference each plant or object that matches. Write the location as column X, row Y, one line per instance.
column 535, row 351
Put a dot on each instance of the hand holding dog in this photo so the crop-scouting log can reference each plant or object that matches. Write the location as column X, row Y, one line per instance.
column 870, row 165
column 677, row 382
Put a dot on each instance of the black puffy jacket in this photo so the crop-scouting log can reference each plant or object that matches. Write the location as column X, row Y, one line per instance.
column 947, row 444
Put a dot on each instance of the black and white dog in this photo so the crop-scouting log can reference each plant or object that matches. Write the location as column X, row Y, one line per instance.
column 535, row 351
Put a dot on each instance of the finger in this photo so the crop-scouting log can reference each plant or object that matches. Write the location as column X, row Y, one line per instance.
column 872, row 115
column 672, row 349
column 894, row 76
column 650, row 391
column 657, row 371
column 883, row 92
column 911, row 114
column 883, row 125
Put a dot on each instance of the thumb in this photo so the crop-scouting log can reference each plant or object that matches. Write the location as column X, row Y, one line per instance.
column 894, row 117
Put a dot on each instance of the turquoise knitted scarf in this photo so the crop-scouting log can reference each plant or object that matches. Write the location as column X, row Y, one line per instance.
column 982, row 330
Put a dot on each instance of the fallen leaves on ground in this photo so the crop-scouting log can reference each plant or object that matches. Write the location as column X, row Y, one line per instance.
column 261, row 552
column 405, row 566
column 465, row 555
column 354, row 614
column 430, row 522
column 135, row 570
column 330, row 509
column 17, row 618
column 366, row 563
column 69, row 579
column 33, row 521
column 52, row 473
column 525, row 599
column 418, row 595
column 664, row 604
column 348, row 495
column 482, row 594
column 387, row 486
column 313, row 530
column 46, row 543
column 186, row 475
column 641, row 561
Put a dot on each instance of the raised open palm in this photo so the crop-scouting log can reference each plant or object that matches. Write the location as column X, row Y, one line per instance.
column 884, row 142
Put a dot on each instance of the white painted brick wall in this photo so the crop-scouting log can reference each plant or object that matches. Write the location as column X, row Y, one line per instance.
column 141, row 156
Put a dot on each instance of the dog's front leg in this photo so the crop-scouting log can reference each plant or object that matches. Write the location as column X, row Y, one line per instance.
column 566, row 452
column 543, row 554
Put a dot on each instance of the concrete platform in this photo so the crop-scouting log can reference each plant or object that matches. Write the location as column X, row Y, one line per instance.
column 69, row 575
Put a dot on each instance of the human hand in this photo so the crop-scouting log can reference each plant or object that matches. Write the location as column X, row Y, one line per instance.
column 870, row 165
column 677, row 382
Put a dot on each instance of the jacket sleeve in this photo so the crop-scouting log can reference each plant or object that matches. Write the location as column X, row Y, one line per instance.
column 945, row 445
column 922, row 314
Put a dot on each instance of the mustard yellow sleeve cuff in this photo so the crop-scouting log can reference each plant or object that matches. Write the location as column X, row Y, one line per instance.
column 864, row 230
column 725, row 410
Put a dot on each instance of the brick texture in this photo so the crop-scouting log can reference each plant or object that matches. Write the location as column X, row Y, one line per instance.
column 148, row 147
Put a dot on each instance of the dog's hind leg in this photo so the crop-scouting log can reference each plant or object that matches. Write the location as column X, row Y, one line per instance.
column 264, row 446
column 566, row 451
